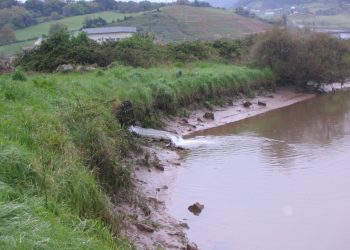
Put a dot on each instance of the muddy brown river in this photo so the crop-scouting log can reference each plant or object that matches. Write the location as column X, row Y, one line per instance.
column 277, row 181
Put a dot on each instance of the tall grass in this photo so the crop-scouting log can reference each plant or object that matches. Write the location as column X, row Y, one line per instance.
column 62, row 149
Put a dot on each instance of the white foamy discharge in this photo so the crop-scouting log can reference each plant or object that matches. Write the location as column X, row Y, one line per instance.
column 176, row 140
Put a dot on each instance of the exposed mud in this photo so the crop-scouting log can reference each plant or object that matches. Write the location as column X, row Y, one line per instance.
column 236, row 111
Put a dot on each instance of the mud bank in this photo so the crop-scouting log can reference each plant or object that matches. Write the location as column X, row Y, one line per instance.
column 150, row 225
column 236, row 111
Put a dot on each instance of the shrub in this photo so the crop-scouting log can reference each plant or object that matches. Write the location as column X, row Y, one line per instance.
column 139, row 51
column 57, row 27
column 18, row 76
column 298, row 58
column 228, row 49
column 191, row 51
column 94, row 22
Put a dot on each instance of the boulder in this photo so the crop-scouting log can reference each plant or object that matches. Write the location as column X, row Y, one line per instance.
column 79, row 68
column 196, row 208
column 89, row 68
column 209, row 115
column 65, row 68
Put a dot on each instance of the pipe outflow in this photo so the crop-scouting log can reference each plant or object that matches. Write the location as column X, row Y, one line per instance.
column 174, row 139
column 157, row 134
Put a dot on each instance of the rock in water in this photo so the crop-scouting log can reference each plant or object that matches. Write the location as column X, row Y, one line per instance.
column 260, row 103
column 196, row 208
column 209, row 115
column 247, row 104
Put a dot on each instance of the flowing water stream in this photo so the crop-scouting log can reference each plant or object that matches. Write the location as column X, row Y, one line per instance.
column 277, row 181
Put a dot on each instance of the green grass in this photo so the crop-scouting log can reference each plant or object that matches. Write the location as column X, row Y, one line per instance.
column 61, row 147
column 74, row 23
column 13, row 48
column 179, row 23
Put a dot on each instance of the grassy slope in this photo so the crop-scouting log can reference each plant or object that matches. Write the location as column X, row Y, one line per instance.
column 179, row 23
column 13, row 48
column 53, row 126
column 73, row 23
column 336, row 21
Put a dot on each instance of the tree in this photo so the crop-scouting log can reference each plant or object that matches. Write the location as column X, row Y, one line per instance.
column 73, row 9
column 106, row 4
column 7, row 35
column 57, row 27
column 53, row 6
column 183, row 2
column 18, row 16
column 8, row 3
column 95, row 22
column 36, row 6
column 299, row 58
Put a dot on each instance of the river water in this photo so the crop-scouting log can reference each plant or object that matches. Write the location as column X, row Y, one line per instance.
column 276, row 181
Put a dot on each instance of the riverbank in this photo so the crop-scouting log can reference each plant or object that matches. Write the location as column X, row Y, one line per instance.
column 65, row 149
column 155, row 184
column 236, row 111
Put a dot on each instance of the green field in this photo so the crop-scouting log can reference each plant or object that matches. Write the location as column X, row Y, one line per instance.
column 181, row 23
column 73, row 23
column 62, row 148
column 13, row 48
column 331, row 22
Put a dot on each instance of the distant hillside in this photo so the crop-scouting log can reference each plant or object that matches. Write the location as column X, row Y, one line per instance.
column 222, row 3
column 316, row 14
column 28, row 35
column 269, row 4
column 181, row 23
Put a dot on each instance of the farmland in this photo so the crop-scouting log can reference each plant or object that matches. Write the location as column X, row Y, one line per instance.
column 181, row 23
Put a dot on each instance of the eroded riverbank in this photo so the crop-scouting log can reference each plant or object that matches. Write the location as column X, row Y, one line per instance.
column 154, row 184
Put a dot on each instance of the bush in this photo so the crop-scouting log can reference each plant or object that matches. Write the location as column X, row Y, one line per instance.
column 298, row 58
column 95, row 22
column 228, row 49
column 18, row 76
column 60, row 49
column 57, row 27
column 139, row 51
column 191, row 51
